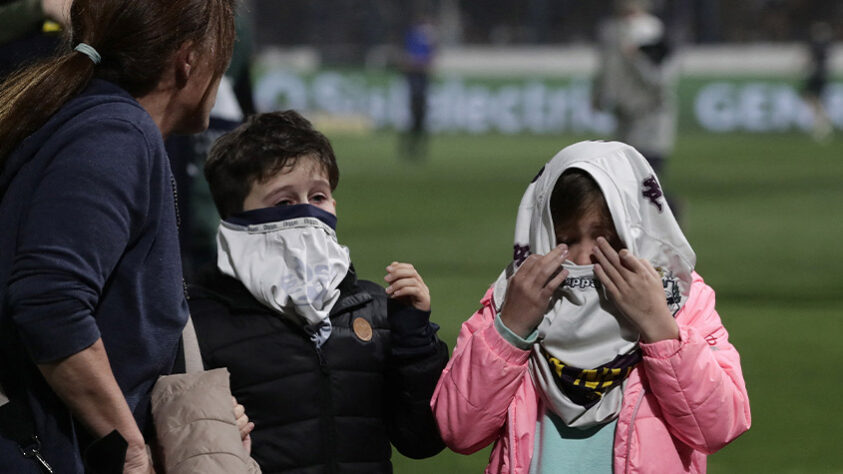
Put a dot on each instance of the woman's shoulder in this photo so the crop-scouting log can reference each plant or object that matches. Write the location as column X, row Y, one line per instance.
column 105, row 107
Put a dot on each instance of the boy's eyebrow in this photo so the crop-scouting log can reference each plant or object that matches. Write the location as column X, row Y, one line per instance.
column 281, row 189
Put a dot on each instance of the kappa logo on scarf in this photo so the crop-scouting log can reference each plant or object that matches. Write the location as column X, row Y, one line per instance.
column 652, row 191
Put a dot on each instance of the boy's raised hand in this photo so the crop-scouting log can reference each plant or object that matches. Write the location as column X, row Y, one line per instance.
column 407, row 286
column 637, row 290
column 529, row 290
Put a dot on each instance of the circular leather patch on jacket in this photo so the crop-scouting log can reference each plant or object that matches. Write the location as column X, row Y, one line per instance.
column 362, row 329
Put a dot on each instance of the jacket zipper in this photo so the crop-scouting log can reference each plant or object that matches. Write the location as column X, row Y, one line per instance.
column 326, row 423
column 631, row 426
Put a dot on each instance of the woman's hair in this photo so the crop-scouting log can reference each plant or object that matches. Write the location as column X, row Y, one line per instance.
column 576, row 193
column 259, row 149
column 135, row 38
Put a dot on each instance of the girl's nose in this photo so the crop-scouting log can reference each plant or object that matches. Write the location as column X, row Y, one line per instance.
column 580, row 254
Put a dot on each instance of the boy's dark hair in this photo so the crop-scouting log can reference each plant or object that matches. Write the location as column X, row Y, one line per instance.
column 576, row 193
column 257, row 150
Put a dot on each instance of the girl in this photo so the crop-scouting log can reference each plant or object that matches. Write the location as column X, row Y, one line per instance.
column 598, row 349
column 93, row 302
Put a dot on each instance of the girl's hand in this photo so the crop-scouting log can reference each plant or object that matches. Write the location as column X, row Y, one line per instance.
column 529, row 291
column 407, row 286
column 637, row 290
column 243, row 425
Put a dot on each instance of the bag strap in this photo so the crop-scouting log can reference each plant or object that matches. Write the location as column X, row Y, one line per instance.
column 192, row 354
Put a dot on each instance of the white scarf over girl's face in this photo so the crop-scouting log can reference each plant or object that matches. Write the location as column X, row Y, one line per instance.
column 289, row 260
column 581, row 328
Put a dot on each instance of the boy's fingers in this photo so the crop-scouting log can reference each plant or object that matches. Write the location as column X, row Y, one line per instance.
column 402, row 273
column 402, row 284
column 239, row 410
column 242, row 422
column 401, row 270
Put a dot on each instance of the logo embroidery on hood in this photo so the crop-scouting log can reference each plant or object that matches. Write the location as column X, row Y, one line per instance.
column 521, row 252
column 652, row 191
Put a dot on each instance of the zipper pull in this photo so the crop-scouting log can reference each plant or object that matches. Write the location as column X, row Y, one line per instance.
column 34, row 451
column 323, row 364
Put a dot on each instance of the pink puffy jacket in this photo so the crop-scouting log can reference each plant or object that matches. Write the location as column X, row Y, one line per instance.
column 686, row 399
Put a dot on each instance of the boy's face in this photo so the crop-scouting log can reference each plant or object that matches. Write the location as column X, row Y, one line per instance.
column 581, row 235
column 306, row 182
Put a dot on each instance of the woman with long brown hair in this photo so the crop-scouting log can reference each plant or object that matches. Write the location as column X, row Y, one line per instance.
column 92, row 293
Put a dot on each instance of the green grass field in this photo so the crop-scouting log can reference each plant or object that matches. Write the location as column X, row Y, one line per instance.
column 764, row 214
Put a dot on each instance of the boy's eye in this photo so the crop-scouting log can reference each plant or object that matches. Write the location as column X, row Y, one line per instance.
column 318, row 198
column 284, row 202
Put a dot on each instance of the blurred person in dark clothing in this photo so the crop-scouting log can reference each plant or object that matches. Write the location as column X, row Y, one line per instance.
column 819, row 50
column 417, row 63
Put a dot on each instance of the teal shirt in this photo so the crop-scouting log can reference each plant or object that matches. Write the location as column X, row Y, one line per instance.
column 558, row 447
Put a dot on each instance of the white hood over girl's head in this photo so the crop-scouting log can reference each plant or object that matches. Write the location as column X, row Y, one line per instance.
column 585, row 348
column 640, row 213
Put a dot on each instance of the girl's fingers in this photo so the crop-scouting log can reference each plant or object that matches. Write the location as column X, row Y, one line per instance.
column 630, row 262
column 606, row 281
column 557, row 280
column 610, row 268
column 550, row 264
column 610, row 253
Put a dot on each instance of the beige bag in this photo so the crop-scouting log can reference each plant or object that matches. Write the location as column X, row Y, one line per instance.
column 194, row 419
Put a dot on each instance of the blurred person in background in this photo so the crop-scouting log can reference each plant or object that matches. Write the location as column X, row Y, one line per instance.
column 29, row 29
column 819, row 50
column 417, row 64
column 93, row 298
column 636, row 80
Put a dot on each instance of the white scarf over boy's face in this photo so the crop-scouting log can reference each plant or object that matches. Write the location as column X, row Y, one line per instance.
column 289, row 260
column 582, row 329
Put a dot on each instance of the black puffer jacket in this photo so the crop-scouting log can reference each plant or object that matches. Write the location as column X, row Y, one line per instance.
column 335, row 409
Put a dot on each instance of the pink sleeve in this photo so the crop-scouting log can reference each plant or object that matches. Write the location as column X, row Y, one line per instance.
column 697, row 379
column 476, row 388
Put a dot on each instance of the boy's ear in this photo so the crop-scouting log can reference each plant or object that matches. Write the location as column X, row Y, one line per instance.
column 186, row 59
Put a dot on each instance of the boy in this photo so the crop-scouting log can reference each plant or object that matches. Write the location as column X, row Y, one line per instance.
column 332, row 369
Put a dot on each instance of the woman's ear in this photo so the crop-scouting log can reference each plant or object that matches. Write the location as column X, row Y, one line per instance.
column 185, row 61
